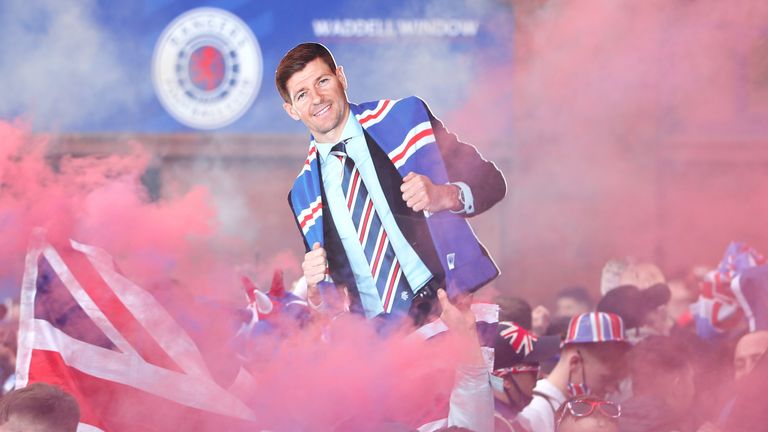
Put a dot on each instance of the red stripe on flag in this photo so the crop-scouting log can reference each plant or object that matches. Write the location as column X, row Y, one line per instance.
column 120, row 317
column 311, row 214
column 309, row 155
column 116, row 407
column 410, row 144
column 370, row 117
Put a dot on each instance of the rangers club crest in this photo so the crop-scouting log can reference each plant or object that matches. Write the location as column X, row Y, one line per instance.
column 207, row 68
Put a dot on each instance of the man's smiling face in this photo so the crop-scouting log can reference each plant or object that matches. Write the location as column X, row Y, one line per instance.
column 319, row 100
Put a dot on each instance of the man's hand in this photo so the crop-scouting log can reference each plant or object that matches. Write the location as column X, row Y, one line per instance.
column 314, row 265
column 459, row 317
column 460, row 321
column 419, row 193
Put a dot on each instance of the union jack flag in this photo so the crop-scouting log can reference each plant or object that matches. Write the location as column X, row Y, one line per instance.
column 717, row 309
column 519, row 338
column 94, row 333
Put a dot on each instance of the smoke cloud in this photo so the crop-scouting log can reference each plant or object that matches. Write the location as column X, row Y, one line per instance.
column 617, row 124
column 59, row 66
column 327, row 375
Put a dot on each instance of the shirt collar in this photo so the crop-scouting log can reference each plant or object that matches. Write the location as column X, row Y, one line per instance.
column 351, row 129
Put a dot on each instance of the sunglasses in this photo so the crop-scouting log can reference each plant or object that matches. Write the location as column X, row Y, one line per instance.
column 585, row 408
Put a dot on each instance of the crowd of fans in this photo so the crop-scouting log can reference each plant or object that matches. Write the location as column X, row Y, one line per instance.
column 644, row 357
column 638, row 359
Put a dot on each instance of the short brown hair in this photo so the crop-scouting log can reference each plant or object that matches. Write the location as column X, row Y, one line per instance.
column 47, row 407
column 295, row 60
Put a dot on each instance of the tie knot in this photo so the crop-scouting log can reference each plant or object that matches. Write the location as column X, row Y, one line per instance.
column 340, row 149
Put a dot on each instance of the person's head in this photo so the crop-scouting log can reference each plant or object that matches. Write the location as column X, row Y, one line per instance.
column 515, row 387
column 642, row 275
column 39, row 407
column 750, row 348
column 572, row 301
column 587, row 414
column 660, row 367
column 594, row 368
column 638, row 308
column 515, row 309
column 516, row 363
column 681, row 298
column 313, row 89
column 592, row 359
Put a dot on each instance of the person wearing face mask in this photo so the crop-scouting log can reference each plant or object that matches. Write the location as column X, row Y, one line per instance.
column 517, row 353
column 591, row 362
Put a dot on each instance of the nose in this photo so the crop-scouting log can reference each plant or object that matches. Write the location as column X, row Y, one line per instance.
column 315, row 96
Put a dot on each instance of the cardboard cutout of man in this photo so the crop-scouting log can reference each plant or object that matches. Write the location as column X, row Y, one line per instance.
column 382, row 197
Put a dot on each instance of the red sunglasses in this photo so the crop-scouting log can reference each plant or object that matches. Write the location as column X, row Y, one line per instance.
column 585, row 408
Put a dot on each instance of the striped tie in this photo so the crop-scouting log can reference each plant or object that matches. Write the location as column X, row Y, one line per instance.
column 393, row 288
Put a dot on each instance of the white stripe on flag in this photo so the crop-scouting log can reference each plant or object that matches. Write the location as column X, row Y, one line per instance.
column 308, row 211
column 380, row 117
column 401, row 154
column 27, row 314
column 131, row 370
column 150, row 314
column 85, row 301
column 311, row 156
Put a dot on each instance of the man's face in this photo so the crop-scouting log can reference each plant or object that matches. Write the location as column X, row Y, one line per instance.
column 603, row 375
column 319, row 100
column 568, row 307
column 749, row 350
column 525, row 381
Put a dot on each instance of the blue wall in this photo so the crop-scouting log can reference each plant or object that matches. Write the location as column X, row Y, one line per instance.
column 85, row 66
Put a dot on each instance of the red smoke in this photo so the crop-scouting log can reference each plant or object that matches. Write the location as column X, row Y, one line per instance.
column 623, row 128
column 174, row 249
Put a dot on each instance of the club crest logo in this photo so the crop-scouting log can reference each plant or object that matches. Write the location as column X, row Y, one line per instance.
column 207, row 68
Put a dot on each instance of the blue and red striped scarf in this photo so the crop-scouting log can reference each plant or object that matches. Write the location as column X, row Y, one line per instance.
column 399, row 142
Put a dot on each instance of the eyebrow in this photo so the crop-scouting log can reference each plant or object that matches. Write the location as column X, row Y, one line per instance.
column 301, row 89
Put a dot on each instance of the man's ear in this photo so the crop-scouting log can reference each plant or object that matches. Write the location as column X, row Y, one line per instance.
column 340, row 75
column 291, row 111
column 575, row 361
